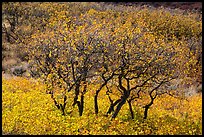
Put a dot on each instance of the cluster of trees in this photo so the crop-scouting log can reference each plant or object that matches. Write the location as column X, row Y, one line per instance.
column 133, row 52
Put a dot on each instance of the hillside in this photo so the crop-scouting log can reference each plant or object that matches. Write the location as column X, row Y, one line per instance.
column 191, row 6
column 89, row 68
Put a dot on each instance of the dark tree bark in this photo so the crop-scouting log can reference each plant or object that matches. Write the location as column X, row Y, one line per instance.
column 96, row 103
column 64, row 105
column 98, row 90
column 146, row 110
column 56, row 104
column 79, row 103
column 62, row 109
column 126, row 94
column 152, row 99
column 60, row 106
column 131, row 110
column 96, row 99
column 112, row 105
column 119, row 106
column 81, row 107
column 76, row 93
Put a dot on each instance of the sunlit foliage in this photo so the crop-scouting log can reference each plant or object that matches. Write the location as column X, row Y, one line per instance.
column 28, row 109
column 121, row 58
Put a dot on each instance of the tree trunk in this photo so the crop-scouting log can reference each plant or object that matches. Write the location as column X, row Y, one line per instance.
column 96, row 97
column 56, row 104
column 119, row 106
column 111, row 108
column 96, row 103
column 81, row 108
column 147, row 108
column 62, row 109
column 64, row 105
column 131, row 110
column 76, row 94
column 145, row 112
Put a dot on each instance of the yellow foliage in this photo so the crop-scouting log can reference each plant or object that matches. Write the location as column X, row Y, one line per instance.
column 29, row 110
column 58, row 37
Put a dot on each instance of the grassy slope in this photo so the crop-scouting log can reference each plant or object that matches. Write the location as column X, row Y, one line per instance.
column 27, row 109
